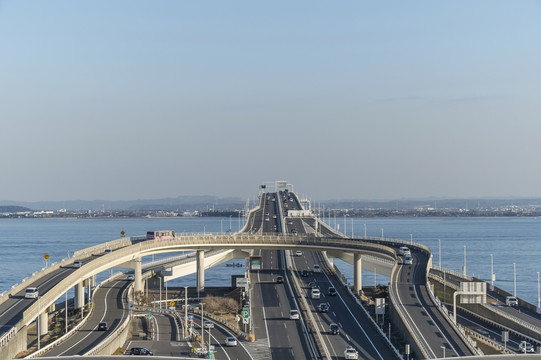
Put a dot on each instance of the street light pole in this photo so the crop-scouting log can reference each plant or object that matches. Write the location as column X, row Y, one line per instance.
column 538, row 295
column 365, row 231
column 202, row 327
column 464, row 269
column 185, row 311
column 492, row 277
column 515, row 279
column 439, row 252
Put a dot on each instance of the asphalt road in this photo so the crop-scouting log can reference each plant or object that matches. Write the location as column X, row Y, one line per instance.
column 108, row 307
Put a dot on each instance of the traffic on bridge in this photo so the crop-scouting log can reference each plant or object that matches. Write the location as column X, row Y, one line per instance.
column 295, row 303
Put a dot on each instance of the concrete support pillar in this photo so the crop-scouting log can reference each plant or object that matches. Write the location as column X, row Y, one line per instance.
column 43, row 323
column 357, row 273
column 138, row 277
column 79, row 296
column 200, row 270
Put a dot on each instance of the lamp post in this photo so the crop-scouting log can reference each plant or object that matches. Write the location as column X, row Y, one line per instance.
column 381, row 233
column 209, row 345
column 443, row 348
column 439, row 253
column 185, row 311
column 492, row 276
column 411, row 239
column 538, row 295
column 365, row 231
column 515, row 279
column 202, row 327
column 38, row 326
column 464, row 267
column 230, row 222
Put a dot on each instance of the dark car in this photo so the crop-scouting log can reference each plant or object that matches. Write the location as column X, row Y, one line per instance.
column 279, row 279
column 334, row 329
column 102, row 326
column 332, row 291
column 304, row 273
column 140, row 351
column 323, row 307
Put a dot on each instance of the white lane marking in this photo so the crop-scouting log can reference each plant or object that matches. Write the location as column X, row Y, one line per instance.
column 355, row 320
column 264, row 314
column 102, row 317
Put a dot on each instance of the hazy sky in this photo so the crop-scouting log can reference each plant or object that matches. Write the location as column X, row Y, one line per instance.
column 118, row 100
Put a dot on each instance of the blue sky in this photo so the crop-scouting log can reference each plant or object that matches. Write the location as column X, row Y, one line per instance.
column 117, row 100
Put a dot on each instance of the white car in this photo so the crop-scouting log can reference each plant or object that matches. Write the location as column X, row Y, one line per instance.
column 298, row 253
column 208, row 324
column 130, row 277
column 231, row 341
column 77, row 263
column 294, row 315
column 408, row 260
column 403, row 250
column 526, row 347
column 351, row 353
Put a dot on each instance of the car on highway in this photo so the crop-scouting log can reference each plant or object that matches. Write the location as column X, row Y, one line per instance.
column 130, row 277
column 108, row 251
column 294, row 314
column 140, row 351
column 102, row 326
column 31, row 293
column 305, row 273
column 298, row 253
column 231, row 341
column 77, row 263
column 316, row 294
column 334, row 329
column 332, row 291
column 279, row 279
column 403, row 250
column 408, row 260
column 208, row 324
column 317, row 268
column 526, row 347
column 323, row 307
column 511, row 301
column 351, row 353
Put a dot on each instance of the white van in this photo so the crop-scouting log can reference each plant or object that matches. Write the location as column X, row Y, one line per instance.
column 31, row 293
column 317, row 268
column 408, row 260
column 511, row 301
column 316, row 294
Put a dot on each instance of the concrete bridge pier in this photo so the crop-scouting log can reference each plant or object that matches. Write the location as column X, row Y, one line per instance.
column 357, row 273
column 44, row 323
column 200, row 270
column 79, row 300
column 138, row 277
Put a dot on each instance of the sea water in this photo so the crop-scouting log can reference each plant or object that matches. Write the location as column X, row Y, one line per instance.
column 513, row 242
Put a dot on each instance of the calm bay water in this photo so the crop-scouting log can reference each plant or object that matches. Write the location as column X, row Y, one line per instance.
column 23, row 242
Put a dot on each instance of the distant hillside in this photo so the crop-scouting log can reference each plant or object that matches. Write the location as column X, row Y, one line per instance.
column 13, row 209
column 203, row 202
